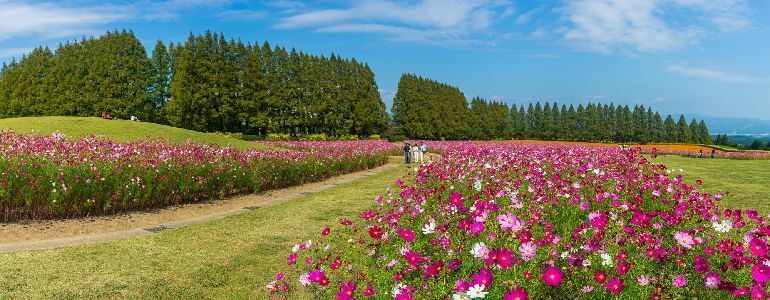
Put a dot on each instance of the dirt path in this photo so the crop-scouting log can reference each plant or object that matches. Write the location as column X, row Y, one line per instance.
column 58, row 233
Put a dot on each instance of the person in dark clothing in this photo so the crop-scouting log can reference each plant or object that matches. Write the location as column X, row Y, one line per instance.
column 701, row 153
column 713, row 152
column 407, row 149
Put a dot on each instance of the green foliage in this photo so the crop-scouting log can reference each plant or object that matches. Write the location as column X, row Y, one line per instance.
column 207, row 83
column 237, row 135
column 375, row 137
column 348, row 137
column 277, row 137
column 313, row 137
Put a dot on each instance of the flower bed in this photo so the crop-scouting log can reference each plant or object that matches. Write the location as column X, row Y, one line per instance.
column 53, row 176
column 519, row 221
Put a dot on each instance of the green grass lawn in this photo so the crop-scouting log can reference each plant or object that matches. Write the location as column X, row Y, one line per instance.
column 119, row 130
column 748, row 181
column 230, row 258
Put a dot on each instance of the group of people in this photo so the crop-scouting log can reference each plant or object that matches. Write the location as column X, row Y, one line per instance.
column 414, row 153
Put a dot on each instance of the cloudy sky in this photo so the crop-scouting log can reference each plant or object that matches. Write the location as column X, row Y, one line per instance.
column 679, row 56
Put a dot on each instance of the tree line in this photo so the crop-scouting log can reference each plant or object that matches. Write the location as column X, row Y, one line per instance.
column 427, row 109
column 742, row 142
column 207, row 83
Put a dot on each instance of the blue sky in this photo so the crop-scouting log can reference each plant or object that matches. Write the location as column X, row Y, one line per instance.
column 680, row 56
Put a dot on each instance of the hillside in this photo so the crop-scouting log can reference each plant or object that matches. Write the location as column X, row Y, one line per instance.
column 119, row 130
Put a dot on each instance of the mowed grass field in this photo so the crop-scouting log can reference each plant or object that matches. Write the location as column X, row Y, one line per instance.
column 230, row 258
column 748, row 181
column 119, row 130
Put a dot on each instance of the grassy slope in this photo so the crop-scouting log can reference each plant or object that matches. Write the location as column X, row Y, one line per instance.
column 748, row 181
column 120, row 130
column 231, row 258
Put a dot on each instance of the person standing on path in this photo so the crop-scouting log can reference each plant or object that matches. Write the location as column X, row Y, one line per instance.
column 415, row 153
column 406, row 152
column 423, row 150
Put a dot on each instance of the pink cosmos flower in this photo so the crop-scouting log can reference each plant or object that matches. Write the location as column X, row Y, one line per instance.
column 368, row 291
column 517, row 293
column 712, row 280
column 509, row 222
column 679, row 281
column 643, row 280
column 552, row 276
column 528, row 251
column 684, row 239
column 598, row 219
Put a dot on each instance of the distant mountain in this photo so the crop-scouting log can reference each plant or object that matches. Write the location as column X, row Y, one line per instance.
column 731, row 125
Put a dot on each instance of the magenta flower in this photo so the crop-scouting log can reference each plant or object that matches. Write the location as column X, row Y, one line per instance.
column 552, row 276
column 614, row 285
column 483, row 277
column 517, row 293
column 760, row 272
column 758, row 247
column 505, row 258
column 368, row 291
column 413, row 258
column 600, row 276
column 407, row 235
column 375, row 232
column 347, row 290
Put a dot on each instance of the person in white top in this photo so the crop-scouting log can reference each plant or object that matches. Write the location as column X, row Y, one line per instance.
column 416, row 153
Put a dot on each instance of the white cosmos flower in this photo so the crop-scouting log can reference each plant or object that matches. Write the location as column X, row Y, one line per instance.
column 477, row 291
column 460, row 296
column 606, row 259
column 480, row 250
column 397, row 289
column 723, row 227
column 429, row 228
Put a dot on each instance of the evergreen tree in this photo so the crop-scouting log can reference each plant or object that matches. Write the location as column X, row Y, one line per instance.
column 684, row 132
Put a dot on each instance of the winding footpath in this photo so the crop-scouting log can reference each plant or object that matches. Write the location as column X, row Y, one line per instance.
column 61, row 233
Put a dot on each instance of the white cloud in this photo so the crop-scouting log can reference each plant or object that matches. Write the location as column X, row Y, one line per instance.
column 713, row 74
column 243, row 15
column 525, row 17
column 53, row 19
column 49, row 19
column 644, row 26
column 431, row 21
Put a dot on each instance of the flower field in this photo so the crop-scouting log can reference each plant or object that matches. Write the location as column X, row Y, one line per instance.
column 53, row 176
column 532, row 221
